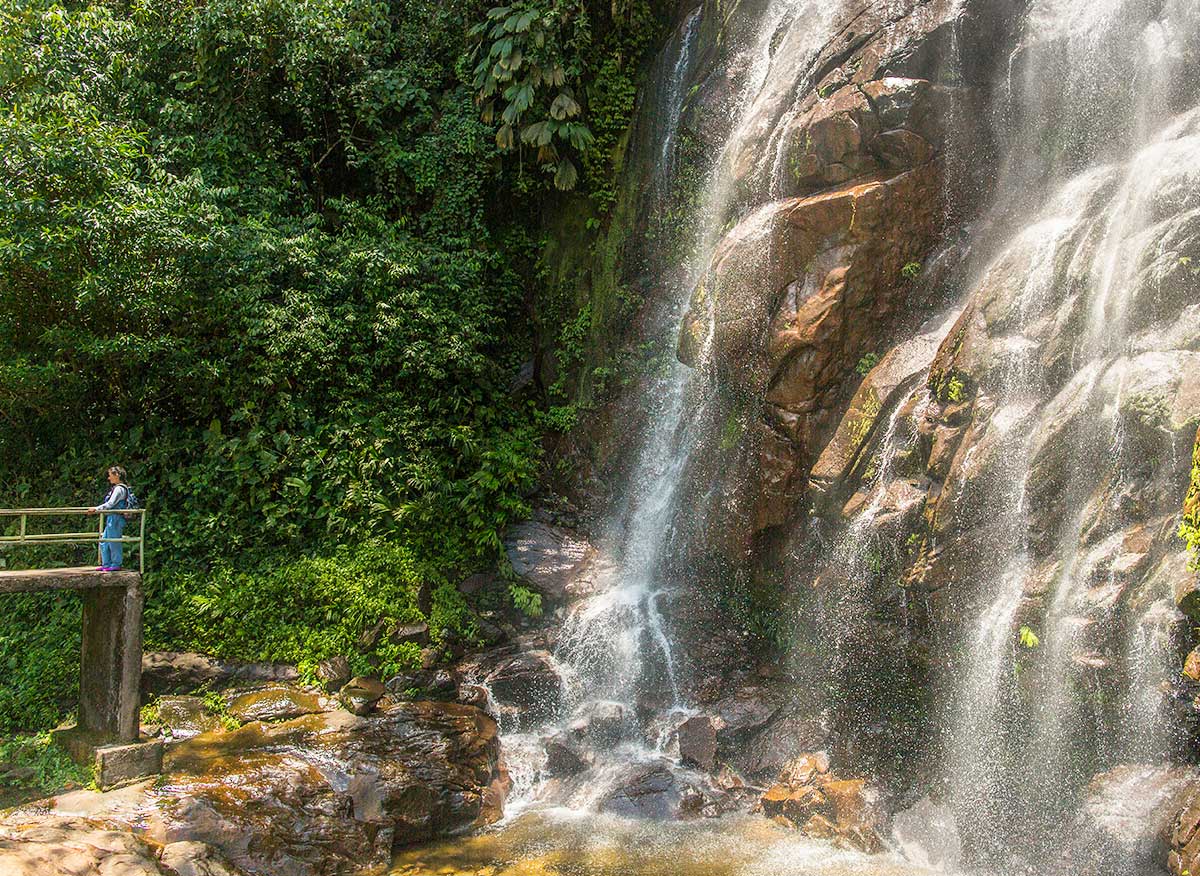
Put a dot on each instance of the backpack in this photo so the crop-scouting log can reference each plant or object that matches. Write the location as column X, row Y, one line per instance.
column 131, row 501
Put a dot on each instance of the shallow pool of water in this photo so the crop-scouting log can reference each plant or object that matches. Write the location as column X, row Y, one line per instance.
column 565, row 843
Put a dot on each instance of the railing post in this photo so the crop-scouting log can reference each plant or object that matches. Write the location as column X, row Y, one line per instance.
column 142, row 542
column 23, row 516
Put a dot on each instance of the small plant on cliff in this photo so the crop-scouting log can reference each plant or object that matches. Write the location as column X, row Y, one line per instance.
column 731, row 432
column 911, row 271
column 954, row 389
column 1189, row 528
column 526, row 601
column 1028, row 638
column 866, row 363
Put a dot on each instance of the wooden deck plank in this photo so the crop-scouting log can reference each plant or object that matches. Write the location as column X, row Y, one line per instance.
column 81, row 578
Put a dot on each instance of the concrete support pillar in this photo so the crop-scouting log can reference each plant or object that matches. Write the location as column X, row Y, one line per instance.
column 111, row 664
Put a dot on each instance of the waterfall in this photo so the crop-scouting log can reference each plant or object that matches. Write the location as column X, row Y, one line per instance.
column 615, row 646
column 1098, row 165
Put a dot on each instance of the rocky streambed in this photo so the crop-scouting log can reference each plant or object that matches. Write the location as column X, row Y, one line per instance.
column 325, row 792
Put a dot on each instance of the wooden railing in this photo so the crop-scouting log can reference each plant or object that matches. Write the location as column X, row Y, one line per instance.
column 25, row 537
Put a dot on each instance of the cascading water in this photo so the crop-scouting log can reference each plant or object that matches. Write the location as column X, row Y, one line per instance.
column 1090, row 97
column 615, row 646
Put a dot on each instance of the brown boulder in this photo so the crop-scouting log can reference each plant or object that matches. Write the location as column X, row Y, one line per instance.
column 275, row 702
column 184, row 717
column 557, row 563
column 184, row 671
column 809, row 797
column 334, row 673
column 359, row 695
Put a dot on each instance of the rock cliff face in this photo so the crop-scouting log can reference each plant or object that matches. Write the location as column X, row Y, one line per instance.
column 847, row 188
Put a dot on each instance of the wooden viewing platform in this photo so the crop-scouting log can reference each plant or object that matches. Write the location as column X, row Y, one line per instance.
column 110, row 666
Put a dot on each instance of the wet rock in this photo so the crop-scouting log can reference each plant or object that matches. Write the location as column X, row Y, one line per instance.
column 698, row 742
column 369, row 637
column 196, row 859
column 895, row 375
column 565, row 755
column 472, row 695
column 441, row 684
column 555, row 562
column 430, row 657
column 740, row 715
column 927, row 835
column 360, row 694
column 796, row 293
column 525, row 685
column 602, row 723
column 811, row 798
column 324, row 794
column 1125, row 822
column 414, row 771
column 276, row 702
column 334, row 673
column 183, row 717
column 1183, row 858
column 650, row 792
column 476, row 583
column 181, row 672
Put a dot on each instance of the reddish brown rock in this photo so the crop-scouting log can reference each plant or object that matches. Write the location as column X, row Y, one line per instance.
column 809, row 797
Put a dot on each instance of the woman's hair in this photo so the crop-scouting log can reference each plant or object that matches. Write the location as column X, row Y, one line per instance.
column 118, row 471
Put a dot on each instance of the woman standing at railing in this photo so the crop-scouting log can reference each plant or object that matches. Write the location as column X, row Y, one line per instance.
column 114, row 524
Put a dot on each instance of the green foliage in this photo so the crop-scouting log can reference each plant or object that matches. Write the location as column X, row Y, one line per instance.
column 571, row 349
column 305, row 610
column 39, row 657
column 911, row 270
column 558, row 78
column 528, row 66
column 216, row 705
column 49, row 769
column 1189, row 528
column 954, row 389
column 525, row 600
column 866, row 363
column 250, row 250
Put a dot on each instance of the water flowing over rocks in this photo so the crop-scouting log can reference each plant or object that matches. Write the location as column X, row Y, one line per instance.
column 1127, row 819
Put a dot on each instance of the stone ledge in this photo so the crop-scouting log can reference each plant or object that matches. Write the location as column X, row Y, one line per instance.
column 112, row 764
